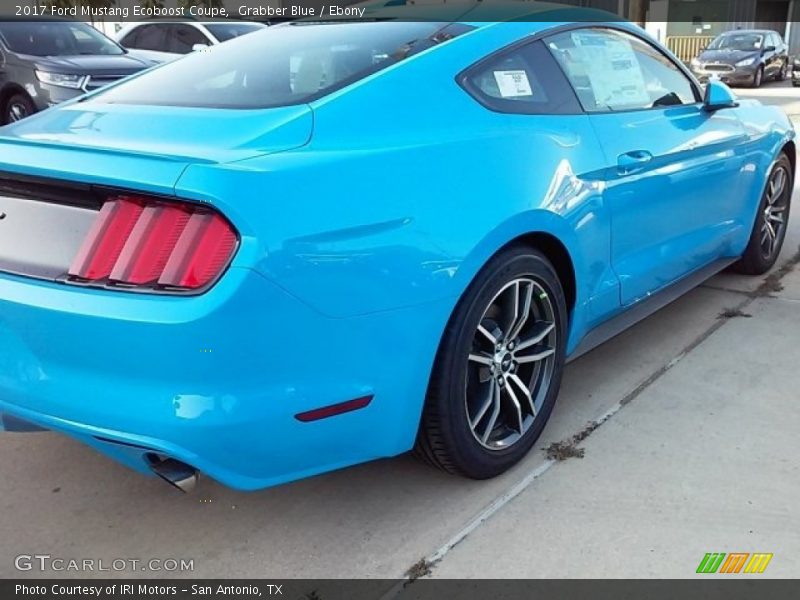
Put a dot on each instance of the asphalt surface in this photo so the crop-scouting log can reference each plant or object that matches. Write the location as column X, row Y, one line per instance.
column 697, row 452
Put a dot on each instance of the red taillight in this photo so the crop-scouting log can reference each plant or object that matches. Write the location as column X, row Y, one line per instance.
column 148, row 243
column 104, row 242
column 203, row 250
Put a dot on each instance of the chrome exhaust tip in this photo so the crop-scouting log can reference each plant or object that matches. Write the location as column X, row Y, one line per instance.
column 174, row 472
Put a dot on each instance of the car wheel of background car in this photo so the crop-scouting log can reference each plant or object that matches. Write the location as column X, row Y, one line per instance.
column 781, row 76
column 498, row 370
column 18, row 107
column 769, row 230
column 758, row 77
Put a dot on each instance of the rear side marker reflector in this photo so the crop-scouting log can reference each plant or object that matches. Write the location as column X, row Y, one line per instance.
column 333, row 409
column 163, row 246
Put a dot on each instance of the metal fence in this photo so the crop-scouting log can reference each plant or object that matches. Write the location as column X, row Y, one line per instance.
column 686, row 47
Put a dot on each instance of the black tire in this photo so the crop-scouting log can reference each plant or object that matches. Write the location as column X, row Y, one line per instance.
column 446, row 437
column 758, row 258
column 782, row 72
column 758, row 77
column 17, row 107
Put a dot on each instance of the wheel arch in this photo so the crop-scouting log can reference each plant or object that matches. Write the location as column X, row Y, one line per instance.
column 546, row 243
column 542, row 230
column 556, row 252
column 791, row 151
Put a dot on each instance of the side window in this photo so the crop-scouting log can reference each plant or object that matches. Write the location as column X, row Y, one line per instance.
column 150, row 37
column 612, row 70
column 523, row 80
column 182, row 38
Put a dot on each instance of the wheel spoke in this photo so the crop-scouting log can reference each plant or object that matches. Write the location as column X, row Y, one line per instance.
column 776, row 217
column 780, row 184
column 520, row 317
column 525, row 391
column 778, row 209
column 536, row 356
column 517, row 407
column 495, row 413
column 769, row 237
column 487, row 334
column 770, row 229
column 482, row 359
column 487, row 403
column 540, row 331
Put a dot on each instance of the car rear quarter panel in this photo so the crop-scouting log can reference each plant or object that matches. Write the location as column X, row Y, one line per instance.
column 409, row 186
column 768, row 130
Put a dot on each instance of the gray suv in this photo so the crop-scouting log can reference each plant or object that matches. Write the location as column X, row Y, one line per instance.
column 43, row 63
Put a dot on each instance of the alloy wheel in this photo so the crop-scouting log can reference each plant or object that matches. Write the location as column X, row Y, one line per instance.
column 774, row 221
column 510, row 364
column 16, row 112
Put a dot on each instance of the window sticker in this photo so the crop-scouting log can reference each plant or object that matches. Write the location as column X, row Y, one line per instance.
column 513, row 84
column 613, row 70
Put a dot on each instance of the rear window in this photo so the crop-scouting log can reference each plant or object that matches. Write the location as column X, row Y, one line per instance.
column 43, row 38
column 281, row 65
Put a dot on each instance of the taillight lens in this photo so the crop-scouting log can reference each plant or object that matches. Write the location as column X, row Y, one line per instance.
column 164, row 246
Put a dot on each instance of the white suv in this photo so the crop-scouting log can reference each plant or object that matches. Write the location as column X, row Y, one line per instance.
column 163, row 41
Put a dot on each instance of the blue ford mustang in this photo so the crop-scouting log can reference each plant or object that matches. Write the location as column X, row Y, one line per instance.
column 330, row 242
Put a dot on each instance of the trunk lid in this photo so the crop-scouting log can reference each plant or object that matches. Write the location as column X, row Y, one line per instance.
column 57, row 168
column 167, row 133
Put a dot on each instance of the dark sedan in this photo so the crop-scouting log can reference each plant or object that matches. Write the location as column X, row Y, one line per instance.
column 43, row 63
column 744, row 57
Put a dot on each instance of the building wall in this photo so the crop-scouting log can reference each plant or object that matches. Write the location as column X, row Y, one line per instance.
column 711, row 17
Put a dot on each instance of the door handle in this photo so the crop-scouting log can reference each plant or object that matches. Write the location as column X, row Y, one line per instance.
column 634, row 160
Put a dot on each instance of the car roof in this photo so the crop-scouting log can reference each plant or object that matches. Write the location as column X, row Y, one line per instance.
column 760, row 31
column 486, row 13
column 195, row 21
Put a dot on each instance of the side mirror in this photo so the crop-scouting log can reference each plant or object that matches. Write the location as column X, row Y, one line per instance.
column 769, row 49
column 199, row 47
column 717, row 96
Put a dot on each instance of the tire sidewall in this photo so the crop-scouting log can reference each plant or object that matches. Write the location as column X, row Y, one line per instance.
column 453, row 366
column 17, row 99
column 754, row 247
column 758, row 78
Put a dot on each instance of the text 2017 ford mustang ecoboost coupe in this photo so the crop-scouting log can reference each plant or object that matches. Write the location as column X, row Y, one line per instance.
column 329, row 242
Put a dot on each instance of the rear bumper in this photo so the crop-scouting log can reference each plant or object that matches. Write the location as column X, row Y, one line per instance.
column 214, row 381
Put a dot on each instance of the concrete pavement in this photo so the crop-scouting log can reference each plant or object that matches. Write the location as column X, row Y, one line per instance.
column 697, row 452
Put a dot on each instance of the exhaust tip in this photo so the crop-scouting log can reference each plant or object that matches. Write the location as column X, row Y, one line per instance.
column 179, row 475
